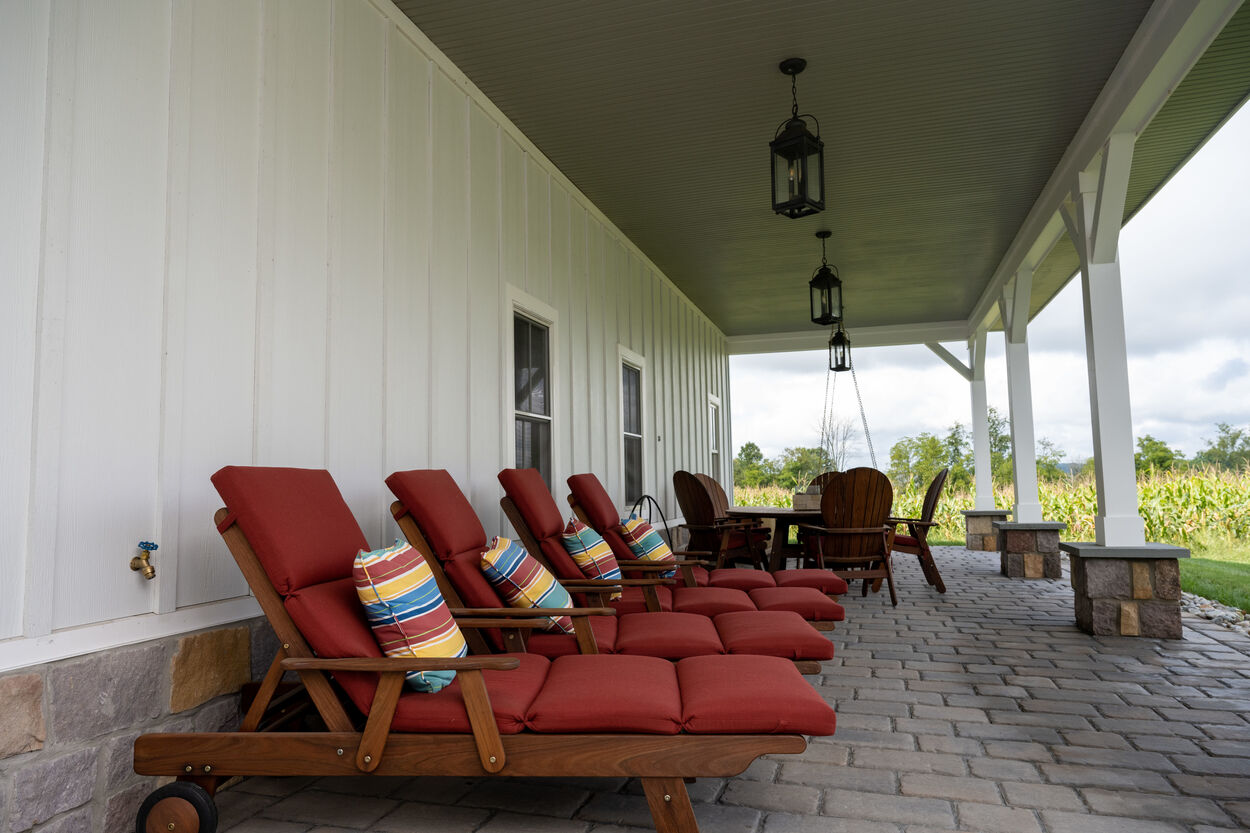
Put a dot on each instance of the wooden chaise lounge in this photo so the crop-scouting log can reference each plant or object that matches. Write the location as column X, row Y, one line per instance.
column 294, row 538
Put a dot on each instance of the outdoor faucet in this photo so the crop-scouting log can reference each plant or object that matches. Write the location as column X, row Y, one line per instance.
column 142, row 561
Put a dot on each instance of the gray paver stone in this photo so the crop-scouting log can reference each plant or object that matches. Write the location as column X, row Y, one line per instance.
column 416, row 817
column 513, row 823
column 51, row 786
column 320, row 807
column 784, row 798
column 1061, row 821
column 842, row 777
column 1042, row 796
column 900, row 809
column 1003, row 769
column 909, row 761
column 1097, row 776
column 522, row 797
column 951, row 788
column 987, row 818
column 1124, row 803
column 784, row 823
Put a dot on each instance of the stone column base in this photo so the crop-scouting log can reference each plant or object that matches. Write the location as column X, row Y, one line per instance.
column 1029, row 550
column 979, row 532
column 1127, row 591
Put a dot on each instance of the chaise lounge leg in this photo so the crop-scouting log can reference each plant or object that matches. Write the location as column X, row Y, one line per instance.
column 670, row 805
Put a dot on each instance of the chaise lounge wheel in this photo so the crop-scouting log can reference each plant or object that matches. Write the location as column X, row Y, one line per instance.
column 180, row 807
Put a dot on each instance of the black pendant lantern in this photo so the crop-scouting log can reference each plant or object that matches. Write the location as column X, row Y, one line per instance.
column 798, row 157
column 839, row 350
column 825, row 289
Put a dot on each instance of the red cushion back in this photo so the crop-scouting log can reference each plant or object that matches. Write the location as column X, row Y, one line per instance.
column 528, row 493
column 589, row 493
column 446, row 517
column 296, row 521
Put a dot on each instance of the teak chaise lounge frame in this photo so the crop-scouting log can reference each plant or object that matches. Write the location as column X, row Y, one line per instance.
column 202, row 761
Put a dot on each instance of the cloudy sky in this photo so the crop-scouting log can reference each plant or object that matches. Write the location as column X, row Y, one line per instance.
column 1185, row 269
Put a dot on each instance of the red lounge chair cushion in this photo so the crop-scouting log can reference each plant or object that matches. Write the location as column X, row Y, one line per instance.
column 511, row 695
column 441, row 510
column 702, row 578
column 533, row 499
column 406, row 611
column 741, row 579
column 749, row 695
column 595, row 502
column 667, row 635
column 775, row 633
column 905, row 541
column 633, row 600
column 826, row 581
column 560, row 644
column 709, row 601
column 808, row 602
column 296, row 521
column 618, row 694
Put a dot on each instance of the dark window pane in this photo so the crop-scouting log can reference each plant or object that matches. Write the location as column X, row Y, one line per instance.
column 521, row 362
column 631, row 395
column 538, row 369
column 533, row 446
column 633, row 468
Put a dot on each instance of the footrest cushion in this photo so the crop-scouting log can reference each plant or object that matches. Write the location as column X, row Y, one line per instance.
column 808, row 602
column 749, row 695
column 777, row 633
column 608, row 693
column 741, row 579
column 826, row 581
column 709, row 601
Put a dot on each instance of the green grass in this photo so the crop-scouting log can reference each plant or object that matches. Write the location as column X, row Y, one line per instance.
column 1219, row 569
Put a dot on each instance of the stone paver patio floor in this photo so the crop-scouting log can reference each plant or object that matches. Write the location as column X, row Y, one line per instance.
column 983, row 710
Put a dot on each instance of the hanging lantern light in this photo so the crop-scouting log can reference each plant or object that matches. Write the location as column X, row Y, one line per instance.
column 798, row 157
column 825, row 289
column 839, row 350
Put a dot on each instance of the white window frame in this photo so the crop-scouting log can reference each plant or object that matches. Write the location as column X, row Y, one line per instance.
column 716, row 437
column 522, row 303
column 626, row 356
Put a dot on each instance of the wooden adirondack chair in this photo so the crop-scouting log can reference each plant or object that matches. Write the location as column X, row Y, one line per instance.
column 916, row 540
column 704, row 506
column 507, row 715
column 855, row 538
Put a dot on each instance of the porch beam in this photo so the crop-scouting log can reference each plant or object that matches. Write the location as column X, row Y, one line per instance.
column 1170, row 40
column 1014, row 306
column 950, row 358
column 818, row 339
column 1097, row 198
column 981, row 461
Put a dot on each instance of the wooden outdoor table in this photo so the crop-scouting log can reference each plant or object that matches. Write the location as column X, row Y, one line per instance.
column 785, row 517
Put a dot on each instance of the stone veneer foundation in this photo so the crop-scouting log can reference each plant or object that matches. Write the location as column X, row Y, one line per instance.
column 67, row 728
column 1127, row 591
column 979, row 532
column 1030, row 550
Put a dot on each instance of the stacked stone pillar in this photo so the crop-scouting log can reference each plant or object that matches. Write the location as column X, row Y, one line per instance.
column 1127, row 591
column 979, row 531
column 1030, row 550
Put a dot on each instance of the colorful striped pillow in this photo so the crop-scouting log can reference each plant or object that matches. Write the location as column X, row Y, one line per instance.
column 406, row 611
column 523, row 582
column 593, row 555
column 645, row 543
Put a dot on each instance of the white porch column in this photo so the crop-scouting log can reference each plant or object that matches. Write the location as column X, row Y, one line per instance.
column 1094, row 223
column 980, row 424
column 1015, row 313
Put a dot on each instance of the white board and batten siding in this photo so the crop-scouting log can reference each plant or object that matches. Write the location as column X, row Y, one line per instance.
column 291, row 233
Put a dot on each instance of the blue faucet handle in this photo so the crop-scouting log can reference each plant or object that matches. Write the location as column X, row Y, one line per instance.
column 148, row 545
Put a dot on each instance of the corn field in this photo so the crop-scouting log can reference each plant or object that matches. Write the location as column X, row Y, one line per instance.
column 1179, row 508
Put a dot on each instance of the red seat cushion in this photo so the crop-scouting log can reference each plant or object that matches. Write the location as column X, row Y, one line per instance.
column 667, row 635
column 905, row 541
column 826, row 581
column 632, row 600
column 446, row 517
column 604, row 628
column 512, row 693
column 749, row 695
column 332, row 622
column 808, row 602
column 709, row 601
column 775, row 633
column 741, row 579
column 702, row 578
column 295, row 520
column 600, row 693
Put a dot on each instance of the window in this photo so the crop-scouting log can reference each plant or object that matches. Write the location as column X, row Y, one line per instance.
column 713, row 433
column 631, row 428
column 531, row 362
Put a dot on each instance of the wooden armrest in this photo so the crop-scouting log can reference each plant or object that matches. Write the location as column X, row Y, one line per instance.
column 826, row 530
column 911, row 522
column 682, row 559
column 400, row 664
column 479, row 622
column 700, row 527
column 606, row 583
column 526, row 612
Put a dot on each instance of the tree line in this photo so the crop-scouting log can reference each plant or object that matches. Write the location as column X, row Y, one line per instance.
column 914, row 461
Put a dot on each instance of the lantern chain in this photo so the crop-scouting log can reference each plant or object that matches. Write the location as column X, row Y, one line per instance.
column 794, row 95
column 863, row 416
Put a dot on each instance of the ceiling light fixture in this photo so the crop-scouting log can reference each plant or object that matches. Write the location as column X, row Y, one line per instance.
column 798, row 157
column 825, row 288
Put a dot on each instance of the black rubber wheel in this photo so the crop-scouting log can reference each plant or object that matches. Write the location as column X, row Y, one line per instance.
column 180, row 807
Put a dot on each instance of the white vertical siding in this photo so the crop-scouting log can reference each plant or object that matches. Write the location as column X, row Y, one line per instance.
column 284, row 233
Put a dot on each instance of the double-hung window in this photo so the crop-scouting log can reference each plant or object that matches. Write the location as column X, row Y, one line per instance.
column 713, row 433
column 531, row 360
column 631, row 429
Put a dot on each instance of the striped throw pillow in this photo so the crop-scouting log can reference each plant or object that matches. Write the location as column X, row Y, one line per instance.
column 645, row 543
column 591, row 553
column 523, row 582
column 406, row 611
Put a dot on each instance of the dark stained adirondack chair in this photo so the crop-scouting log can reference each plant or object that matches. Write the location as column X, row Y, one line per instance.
column 916, row 540
column 855, row 538
column 704, row 506
column 518, row 714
